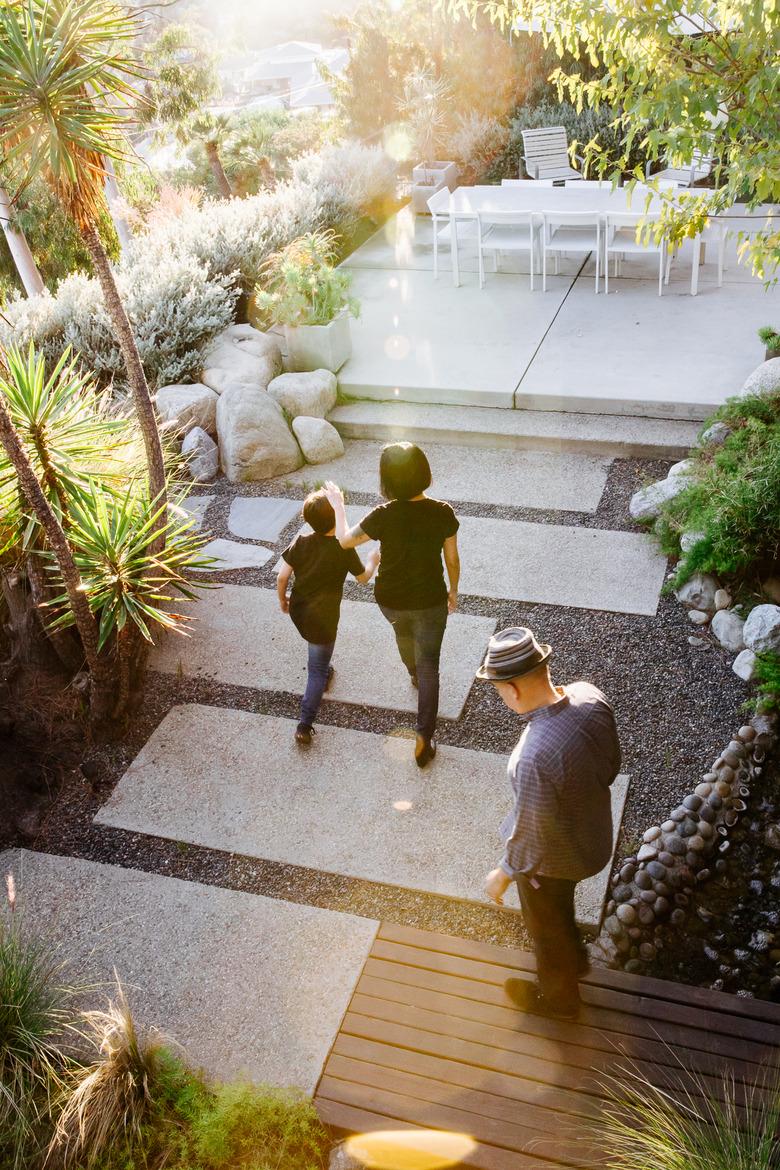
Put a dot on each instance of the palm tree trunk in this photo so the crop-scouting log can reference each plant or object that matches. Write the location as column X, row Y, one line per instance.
column 20, row 250
column 215, row 162
column 101, row 674
column 114, row 201
column 136, row 377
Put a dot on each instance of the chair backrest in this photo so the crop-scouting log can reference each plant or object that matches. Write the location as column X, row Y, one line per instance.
column 439, row 203
column 524, row 218
column 572, row 218
column 527, row 182
column 545, row 147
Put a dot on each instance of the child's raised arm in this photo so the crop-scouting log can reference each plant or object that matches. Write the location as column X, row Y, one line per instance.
column 346, row 536
column 282, row 580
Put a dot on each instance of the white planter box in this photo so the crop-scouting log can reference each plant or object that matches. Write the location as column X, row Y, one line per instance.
column 447, row 172
column 319, row 347
column 421, row 193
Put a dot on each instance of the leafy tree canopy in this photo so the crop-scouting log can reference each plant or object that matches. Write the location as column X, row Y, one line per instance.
column 182, row 76
column 698, row 77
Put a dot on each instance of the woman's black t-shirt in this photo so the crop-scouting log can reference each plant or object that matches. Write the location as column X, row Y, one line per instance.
column 321, row 566
column 412, row 533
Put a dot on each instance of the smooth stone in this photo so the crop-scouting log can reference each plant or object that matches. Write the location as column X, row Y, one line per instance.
column 730, row 759
column 666, row 859
column 622, row 893
column 656, row 870
column 722, row 599
column 678, row 814
column 715, row 435
column 765, row 379
column 698, row 593
column 318, row 439
column 646, row 915
column 261, row 517
column 728, row 627
column 643, row 880
column 706, row 830
column 737, row 748
column 646, row 504
column 677, row 917
column 693, row 802
column 255, row 442
column 202, row 455
column 647, row 896
column 744, row 665
column 715, row 800
column 229, row 555
column 699, row 643
column 626, row 914
column 651, row 834
column 676, row 845
column 661, row 907
column 647, row 952
column 687, row 828
column 699, row 617
column 633, row 967
column 696, row 843
column 703, row 789
column 647, row 852
column 627, row 873
column 241, row 356
column 312, row 393
column 186, row 406
column 669, row 826
column 762, row 628
column 692, row 860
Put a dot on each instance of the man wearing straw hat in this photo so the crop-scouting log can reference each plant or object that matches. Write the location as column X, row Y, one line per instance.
column 561, row 828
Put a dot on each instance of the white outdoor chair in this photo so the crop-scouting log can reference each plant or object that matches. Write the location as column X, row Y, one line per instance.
column 527, row 183
column 439, row 207
column 700, row 167
column 570, row 232
column 506, row 231
column 546, row 154
column 620, row 240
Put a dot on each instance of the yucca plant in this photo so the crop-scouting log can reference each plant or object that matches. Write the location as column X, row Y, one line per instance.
column 645, row 1127
column 66, row 73
column 37, row 1010
column 109, row 1100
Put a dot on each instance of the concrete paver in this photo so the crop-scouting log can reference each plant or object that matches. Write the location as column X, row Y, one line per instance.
column 250, row 986
column 531, row 479
column 240, row 637
column 230, row 554
column 195, row 507
column 261, row 517
column 354, row 804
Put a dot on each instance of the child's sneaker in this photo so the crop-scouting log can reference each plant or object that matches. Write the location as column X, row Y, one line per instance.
column 303, row 735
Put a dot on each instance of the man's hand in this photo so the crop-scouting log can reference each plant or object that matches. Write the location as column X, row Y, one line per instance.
column 452, row 601
column 496, row 885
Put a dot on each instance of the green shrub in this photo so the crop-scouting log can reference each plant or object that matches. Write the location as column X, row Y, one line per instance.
column 245, row 1127
column 770, row 337
column 301, row 285
column 768, row 680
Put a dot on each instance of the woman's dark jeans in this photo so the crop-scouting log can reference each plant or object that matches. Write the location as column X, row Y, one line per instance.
column 419, row 633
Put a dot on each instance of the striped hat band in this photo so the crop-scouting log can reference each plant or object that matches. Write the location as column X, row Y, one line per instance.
column 511, row 653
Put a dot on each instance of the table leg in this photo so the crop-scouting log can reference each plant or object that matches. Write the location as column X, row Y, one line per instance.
column 454, row 251
column 695, row 266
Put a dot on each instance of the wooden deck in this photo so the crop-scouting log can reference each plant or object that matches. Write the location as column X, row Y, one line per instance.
column 430, row 1040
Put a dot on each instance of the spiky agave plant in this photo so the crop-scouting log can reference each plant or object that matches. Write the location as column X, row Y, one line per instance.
column 688, row 1126
column 108, row 1100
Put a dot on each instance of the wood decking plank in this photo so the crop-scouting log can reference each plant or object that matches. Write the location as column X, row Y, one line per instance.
column 623, row 1000
column 431, row 1114
column 573, row 1136
column 352, row 1119
column 599, row 976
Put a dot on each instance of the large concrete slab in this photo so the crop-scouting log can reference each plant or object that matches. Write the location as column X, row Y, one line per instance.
column 611, row 435
column 229, row 780
column 426, row 341
column 251, row 987
column 261, row 517
column 555, row 564
column 587, row 568
column 530, row 479
column 241, row 637
column 232, row 554
column 633, row 353
column 194, row 507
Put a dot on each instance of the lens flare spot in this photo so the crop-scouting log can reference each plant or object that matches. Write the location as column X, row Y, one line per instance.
column 398, row 143
column 417, row 1149
column 397, row 346
column 403, row 805
column 393, row 282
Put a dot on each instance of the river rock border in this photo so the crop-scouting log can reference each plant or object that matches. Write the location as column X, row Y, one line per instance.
column 651, row 891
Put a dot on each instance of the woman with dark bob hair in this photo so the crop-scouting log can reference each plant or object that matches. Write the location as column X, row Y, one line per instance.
column 413, row 531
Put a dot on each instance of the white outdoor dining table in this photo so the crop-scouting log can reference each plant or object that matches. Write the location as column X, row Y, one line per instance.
column 467, row 202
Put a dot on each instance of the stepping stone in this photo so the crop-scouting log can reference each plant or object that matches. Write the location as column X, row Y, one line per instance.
column 230, row 554
column 362, row 807
column 251, row 987
column 261, row 517
column 554, row 564
column 242, row 638
column 529, row 479
column 195, row 507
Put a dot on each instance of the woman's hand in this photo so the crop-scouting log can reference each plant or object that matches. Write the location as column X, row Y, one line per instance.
column 496, row 885
column 373, row 559
column 452, row 601
column 284, row 604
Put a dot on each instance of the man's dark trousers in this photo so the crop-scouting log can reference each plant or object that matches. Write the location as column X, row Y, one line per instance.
column 549, row 916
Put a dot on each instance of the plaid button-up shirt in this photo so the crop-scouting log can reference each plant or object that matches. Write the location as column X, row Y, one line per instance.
column 561, row 772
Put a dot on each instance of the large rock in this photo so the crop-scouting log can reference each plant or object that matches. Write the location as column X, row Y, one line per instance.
column 241, row 356
column 185, row 407
column 689, row 539
column 762, row 628
column 202, row 455
column 765, row 378
column 311, row 394
column 728, row 627
column 254, row 440
column 715, row 434
column 699, row 592
column 744, row 665
column 647, row 502
column 319, row 440
column 684, row 467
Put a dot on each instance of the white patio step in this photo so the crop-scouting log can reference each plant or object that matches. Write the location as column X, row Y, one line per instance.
column 596, row 434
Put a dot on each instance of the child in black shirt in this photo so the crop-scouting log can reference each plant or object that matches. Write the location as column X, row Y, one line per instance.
column 320, row 565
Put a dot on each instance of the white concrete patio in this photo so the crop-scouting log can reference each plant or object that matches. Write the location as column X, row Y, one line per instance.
column 631, row 353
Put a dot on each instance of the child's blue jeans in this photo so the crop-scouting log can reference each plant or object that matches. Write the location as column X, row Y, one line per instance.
column 319, row 661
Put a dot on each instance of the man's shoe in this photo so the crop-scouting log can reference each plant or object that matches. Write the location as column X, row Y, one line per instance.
column 329, row 679
column 526, row 995
column 424, row 751
column 303, row 735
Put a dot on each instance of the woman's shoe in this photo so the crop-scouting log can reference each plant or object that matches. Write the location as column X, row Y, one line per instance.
column 424, row 751
column 303, row 734
column 329, row 679
column 413, row 680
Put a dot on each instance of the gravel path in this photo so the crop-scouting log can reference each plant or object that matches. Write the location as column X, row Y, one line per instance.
column 676, row 705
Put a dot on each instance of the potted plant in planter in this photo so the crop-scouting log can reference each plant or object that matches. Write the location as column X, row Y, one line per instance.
column 303, row 292
column 771, row 339
column 425, row 105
